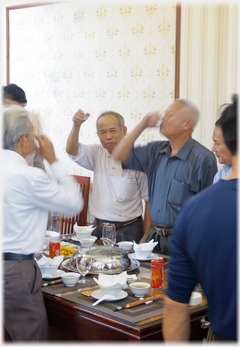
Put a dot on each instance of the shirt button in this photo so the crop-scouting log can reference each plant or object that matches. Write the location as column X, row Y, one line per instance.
column 168, row 164
column 165, row 180
column 161, row 196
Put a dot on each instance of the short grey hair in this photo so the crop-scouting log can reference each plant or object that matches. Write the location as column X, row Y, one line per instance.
column 16, row 123
column 192, row 108
column 112, row 113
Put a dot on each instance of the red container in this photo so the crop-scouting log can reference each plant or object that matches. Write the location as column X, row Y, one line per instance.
column 54, row 249
column 157, row 273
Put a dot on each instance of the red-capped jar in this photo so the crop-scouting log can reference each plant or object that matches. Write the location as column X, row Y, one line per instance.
column 157, row 273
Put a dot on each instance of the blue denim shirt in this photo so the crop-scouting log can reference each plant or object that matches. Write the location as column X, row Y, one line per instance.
column 172, row 180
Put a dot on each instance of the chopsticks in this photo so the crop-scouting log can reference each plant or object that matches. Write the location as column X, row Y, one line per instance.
column 53, row 282
column 139, row 302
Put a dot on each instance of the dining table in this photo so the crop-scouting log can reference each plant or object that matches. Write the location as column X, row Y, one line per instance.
column 71, row 316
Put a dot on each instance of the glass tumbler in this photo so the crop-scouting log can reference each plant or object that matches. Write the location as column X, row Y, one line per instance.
column 54, row 221
column 109, row 232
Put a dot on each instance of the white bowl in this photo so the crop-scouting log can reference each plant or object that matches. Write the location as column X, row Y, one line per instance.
column 81, row 235
column 50, row 270
column 126, row 245
column 115, row 291
column 143, row 254
column 89, row 242
column 195, row 299
column 139, row 289
column 70, row 278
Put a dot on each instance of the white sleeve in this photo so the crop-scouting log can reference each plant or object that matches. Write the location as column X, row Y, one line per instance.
column 60, row 194
column 86, row 156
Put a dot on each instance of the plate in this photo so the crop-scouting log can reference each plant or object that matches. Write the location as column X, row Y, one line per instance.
column 74, row 238
column 152, row 256
column 134, row 265
column 54, row 276
column 97, row 294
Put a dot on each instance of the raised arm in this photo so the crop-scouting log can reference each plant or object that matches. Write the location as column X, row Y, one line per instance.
column 46, row 149
column 62, row 190
column 72, row 141
column 123, row 148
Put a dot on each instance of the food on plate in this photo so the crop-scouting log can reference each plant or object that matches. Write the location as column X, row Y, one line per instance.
column 67, row 251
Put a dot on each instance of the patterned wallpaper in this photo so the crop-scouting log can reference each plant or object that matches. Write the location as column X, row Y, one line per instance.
column 120, row 56
column 97, row 56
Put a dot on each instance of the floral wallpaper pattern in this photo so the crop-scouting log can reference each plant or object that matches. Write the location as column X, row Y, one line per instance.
column 94, row 56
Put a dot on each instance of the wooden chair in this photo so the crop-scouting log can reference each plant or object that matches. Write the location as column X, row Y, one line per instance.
column 67, row 223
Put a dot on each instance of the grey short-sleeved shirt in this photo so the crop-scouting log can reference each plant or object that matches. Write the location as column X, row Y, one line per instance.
column 172, row 180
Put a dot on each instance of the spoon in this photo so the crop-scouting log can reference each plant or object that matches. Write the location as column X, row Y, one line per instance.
column 106, row 296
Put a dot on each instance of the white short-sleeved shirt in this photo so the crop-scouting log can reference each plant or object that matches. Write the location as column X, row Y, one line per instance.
column 117, row 192
column 28, row 195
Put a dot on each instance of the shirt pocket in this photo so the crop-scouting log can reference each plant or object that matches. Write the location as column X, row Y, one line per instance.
column 129, row 189
column 177, row 193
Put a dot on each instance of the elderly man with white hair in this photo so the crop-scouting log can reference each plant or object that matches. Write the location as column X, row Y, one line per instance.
column 28, row 195
column 177, row 169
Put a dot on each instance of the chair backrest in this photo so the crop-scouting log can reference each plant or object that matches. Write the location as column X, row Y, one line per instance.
column 67, row 223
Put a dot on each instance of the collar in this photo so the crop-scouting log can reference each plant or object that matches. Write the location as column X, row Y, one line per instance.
column 12, row 155
column 107, row 153
column 183, row 151
column 166, row 149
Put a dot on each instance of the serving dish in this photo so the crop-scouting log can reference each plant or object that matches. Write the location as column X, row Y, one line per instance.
column 133, row 266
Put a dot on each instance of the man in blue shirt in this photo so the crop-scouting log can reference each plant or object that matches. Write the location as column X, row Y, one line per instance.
column 177, row 169
column 203, row 250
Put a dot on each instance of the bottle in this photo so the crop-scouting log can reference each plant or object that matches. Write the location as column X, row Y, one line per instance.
column 54, row 247
column 157, row 273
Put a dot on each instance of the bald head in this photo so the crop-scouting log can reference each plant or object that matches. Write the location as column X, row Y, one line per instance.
column 188, row 111
column 179, row 120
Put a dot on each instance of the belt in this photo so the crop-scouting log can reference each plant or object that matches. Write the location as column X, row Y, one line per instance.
column 162, row 230
column 19, row 257
column 118, row 224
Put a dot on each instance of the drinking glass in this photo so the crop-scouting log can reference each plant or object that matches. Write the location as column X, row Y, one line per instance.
column 109, row 232
column 54, row 221
column 84, row 262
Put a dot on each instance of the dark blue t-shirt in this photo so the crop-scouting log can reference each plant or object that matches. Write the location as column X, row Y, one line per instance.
column 203, row 249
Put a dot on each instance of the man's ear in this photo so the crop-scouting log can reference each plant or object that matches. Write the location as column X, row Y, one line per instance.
column 22, row 140
column 187, row 124
column 125, row 130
